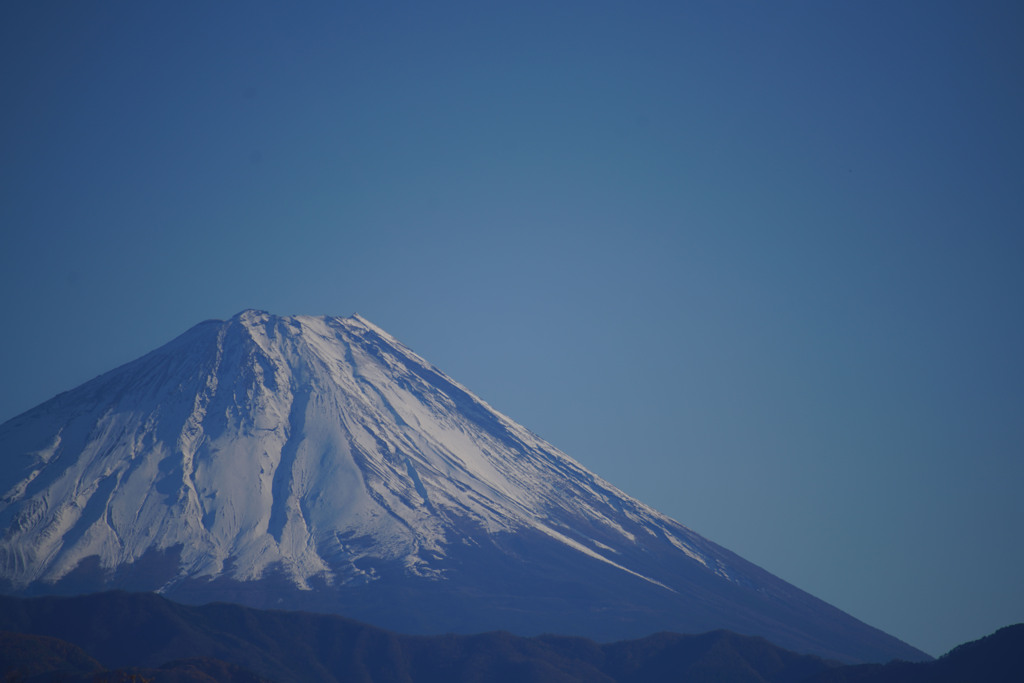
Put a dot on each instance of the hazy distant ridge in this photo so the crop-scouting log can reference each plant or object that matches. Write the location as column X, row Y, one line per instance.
column 167, row 642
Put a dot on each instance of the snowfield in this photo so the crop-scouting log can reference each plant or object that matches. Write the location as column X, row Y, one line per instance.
column 261, row 441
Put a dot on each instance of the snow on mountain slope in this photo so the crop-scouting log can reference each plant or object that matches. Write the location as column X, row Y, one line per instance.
column 322, row 454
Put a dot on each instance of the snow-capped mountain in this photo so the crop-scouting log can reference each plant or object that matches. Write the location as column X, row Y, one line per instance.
column 318, row 463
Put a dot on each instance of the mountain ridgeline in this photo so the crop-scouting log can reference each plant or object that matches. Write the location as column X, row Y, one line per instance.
column 317, row 463
column 114, row 636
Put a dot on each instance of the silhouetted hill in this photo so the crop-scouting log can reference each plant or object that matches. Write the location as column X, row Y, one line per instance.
column 998, row 658
column 113, row 636
column 124, row 630
column 711, row 657
column 26, row 657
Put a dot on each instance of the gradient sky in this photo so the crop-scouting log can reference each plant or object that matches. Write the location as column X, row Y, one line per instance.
column 759, row 264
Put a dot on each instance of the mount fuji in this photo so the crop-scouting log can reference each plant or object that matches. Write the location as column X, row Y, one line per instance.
column 317, row 463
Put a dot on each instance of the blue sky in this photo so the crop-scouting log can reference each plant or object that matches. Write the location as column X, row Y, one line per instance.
column 758, row 264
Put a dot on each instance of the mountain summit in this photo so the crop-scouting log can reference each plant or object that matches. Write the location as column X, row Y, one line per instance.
column 317, row 463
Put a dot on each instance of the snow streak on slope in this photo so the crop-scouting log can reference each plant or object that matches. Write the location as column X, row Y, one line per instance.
column 312, row 445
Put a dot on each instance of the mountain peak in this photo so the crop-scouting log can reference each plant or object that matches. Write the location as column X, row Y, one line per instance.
column 316, row 462
column 251, row 315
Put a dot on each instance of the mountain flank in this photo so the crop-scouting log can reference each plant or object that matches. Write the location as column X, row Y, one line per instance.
column 317, row 463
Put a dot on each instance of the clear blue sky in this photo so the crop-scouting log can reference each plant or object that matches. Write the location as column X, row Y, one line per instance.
column 760, row 264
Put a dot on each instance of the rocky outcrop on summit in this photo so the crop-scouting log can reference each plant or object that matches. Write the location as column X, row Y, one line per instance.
column 317, row 463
